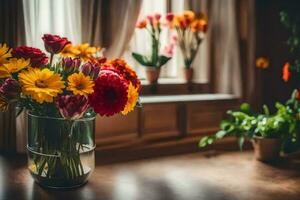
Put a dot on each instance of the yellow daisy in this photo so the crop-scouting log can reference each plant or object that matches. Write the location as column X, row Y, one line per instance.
column 14, row 65
column 132, row 99
column 86, row 51
column 80, row 84
column 5, row 53
column 41, row 84
column 3, row 104
column 70, row 51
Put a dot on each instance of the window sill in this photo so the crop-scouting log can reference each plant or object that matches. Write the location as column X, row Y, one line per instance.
column 173, row 86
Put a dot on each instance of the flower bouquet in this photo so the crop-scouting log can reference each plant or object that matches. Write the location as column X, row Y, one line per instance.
column 155, row 61
column 190, row 32
column 62, row 100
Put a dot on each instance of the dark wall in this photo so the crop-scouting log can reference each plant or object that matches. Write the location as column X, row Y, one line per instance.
column 271, row 42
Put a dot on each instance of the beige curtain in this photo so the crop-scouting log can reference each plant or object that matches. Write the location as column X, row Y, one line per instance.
column 227, row 54
column 12, row 32
column 109, row 23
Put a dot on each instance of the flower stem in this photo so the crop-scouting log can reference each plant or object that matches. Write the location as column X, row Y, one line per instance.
column 51, row 59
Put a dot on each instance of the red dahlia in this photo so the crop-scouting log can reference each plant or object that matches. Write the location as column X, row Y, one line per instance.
column 123, row 69
column 36, row 56
column 110, row 93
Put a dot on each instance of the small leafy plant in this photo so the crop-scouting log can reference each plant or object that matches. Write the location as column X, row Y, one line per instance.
column 245, row 124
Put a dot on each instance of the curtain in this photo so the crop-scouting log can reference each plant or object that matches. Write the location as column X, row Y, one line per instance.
column 11, row 32
column 109, row 23
column 52, row 16
column 229, row 48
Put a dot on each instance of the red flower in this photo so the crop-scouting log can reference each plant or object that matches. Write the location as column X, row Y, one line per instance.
column 123, row 69
column 286, row 74
column 36, row 56
column 70, row 64
column 91, row 69
column 72, row 107
column 54, row 44
column 10, row 89
column 110, row 93
column 297, row 95
column 170, row 17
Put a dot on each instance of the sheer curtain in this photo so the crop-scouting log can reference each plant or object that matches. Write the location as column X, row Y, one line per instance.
column 47, row 16
column 52, row 16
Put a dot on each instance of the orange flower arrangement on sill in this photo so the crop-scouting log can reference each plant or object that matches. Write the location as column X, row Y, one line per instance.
column 190, row 30
column 62, row 100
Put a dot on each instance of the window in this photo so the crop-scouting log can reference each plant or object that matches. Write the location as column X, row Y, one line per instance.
column 138, row 44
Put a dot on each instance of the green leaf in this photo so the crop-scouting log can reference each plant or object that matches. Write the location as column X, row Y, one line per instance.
column 245, row 107
column 241, row 142
column 203, row 141
column 266, row 110
column 163, row 60
column 141, row 59
column 220, row 134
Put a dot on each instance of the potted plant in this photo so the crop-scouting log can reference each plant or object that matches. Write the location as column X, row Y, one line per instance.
column 190, row 32
column 62, row 100
column 267, row 132
column 155, row 61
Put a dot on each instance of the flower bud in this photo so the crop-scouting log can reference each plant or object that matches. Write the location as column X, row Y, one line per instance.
column 72, row 106
column 70, row 65
column 91, row 69
column 10, row 89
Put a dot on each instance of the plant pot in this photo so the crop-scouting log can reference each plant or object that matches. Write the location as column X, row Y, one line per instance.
column 188, row 74
column 266, row 149
column 152, row 74
column 60, row 151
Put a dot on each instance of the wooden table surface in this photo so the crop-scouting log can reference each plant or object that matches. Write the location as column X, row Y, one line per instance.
column 196, row 176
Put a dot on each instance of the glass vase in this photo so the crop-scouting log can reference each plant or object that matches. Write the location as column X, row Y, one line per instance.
column 60, row 151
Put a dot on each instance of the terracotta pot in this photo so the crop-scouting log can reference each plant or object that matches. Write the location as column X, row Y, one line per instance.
column 152, row 74
column 266, row 149
column 188, row 74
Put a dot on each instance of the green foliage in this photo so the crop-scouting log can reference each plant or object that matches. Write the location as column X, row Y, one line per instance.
column 244, row 124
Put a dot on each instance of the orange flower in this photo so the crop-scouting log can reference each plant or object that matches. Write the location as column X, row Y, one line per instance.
column 141, row 24
column 199, row 25
column 286, row 74
column 179, row 21
column 262, row 62
column 189, row 16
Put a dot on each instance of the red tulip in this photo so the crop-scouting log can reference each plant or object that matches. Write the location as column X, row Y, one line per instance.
column 70, row 64
column 72, row 107
column 91, row 69
column 54, row 44
column 170, row 17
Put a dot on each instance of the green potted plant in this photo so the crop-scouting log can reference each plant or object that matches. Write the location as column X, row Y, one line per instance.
column 154, row 61
column 267, row 132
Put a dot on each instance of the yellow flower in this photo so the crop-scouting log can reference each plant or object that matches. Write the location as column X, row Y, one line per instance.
column 86, row 51
column 41, row 84
column 70, row 51
column 3, row 104
column 14, row 65
column 80, row 84
column 262, row 62
column 132, row 99
column 5, row 53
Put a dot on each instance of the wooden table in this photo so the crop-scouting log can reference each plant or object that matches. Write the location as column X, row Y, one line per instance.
column 196, row 176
